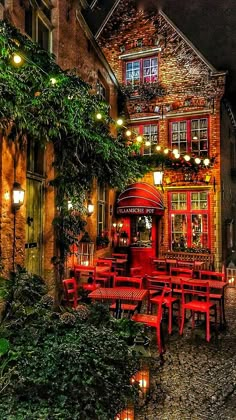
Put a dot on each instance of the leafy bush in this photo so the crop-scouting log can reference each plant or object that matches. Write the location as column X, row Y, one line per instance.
column 59, row 366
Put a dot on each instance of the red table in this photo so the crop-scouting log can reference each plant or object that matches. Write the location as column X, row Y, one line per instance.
column 118, row 294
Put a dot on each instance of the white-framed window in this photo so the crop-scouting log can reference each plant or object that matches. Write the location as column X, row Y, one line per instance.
column 149, row 134
column 143, row 70
column 189, row 220
column 190, row 135
column 38, row 24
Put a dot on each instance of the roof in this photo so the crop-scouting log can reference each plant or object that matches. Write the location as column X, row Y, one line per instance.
column 210, row 26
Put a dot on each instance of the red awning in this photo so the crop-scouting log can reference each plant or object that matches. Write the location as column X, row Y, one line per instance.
column 140, row 198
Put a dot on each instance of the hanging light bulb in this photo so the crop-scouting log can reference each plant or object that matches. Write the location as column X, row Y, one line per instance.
column 187, row 158
column 197, row 160
column 175, row 151
column 139, row 139
column 158, row 148
column 176, row 155
column 128, row 133
column 119, row 122
column 17, row 59
column 148, row 143
column 166, row 151
column 99, row 116
column 206, row 162
column 53, row 80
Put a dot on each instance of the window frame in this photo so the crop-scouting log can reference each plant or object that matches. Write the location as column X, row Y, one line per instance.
column 39, row 15
column 141, row 80
column 104, row 205
column 189, row 139
column 189, row 212
column 140, row 132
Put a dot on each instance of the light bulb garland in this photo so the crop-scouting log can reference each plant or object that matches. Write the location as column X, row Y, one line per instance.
column 164, row 155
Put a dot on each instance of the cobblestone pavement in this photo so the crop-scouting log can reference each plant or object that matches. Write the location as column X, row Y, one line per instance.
column 198, row 379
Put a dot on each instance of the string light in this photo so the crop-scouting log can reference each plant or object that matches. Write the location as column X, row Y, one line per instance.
column 166, row 151
column 17, row 59
column 139, row 139
column 187, row 158
column 53, row 80
column 99, row 116
column 158, row 148
column 119, row 122
column 197, row 160
column 206, row 162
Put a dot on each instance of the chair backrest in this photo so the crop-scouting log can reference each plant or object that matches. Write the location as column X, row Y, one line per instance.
column 104, row 263
column 186, row 264
column 85, row 271
column 70, row 287
column 122, row 256
column 123, row 281
column 197, row 289
column 181, row 272
column 157, row 273
column 136, row 271
column 158, row 283
column 166, row 291
column 211, row 275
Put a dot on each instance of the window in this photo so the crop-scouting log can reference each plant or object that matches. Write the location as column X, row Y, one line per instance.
column 190, row 136
column 144, row 70
column 38, row 23
column 35, row 157
column 102, row 206
column 149, row 133
column 189, row 224
column 101, row 91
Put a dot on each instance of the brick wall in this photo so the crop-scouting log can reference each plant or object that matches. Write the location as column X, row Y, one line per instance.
column 190, row 87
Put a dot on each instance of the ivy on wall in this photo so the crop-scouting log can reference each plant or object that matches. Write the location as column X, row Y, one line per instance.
column 39, row 99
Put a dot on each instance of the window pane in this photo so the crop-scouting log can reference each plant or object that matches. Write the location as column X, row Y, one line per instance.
column 43, row 37
column 179, row 201
column 150, row 136
column 199, row 136
column 178, row 231
column 199, row 201
column 179, row 136
column 132, row 72
column 199, row 231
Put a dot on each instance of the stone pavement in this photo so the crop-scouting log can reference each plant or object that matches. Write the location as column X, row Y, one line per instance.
column 198, row 379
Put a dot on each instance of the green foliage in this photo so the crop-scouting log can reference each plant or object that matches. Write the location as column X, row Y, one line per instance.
column 60, row 365
column 64, row 114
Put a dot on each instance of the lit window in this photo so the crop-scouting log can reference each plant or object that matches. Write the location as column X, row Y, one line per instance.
column 149, row 135
column 144, row 70
column 189, row 220
column 190, row 135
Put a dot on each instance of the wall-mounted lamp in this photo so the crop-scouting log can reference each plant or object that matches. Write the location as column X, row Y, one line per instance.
column 18, row 195
column 117, row 226
column 158, row 177
column 207, row 179
column 90, row 207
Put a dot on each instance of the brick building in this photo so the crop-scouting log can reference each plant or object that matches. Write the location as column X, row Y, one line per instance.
column 27, row 236
column 170, row 96
column 173, row 98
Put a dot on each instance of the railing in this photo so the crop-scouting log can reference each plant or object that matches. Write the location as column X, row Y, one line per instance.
column 208, row 259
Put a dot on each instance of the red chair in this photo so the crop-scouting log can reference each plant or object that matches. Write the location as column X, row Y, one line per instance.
column 136, row 271
column 120, row 267
column 180, row 273
column 127, row 282
column 200, row 303
column 155, row 286
column 218, row 295
column 155, row 320
column 70, row 292
column 106, row 279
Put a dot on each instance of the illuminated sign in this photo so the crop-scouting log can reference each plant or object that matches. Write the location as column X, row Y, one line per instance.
column 138, row 210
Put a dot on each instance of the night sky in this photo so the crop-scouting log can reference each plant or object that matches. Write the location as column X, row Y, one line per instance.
column 211, row 26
